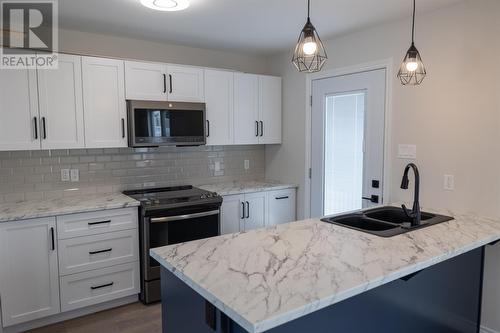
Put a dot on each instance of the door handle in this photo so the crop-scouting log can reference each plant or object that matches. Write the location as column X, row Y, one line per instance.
column 53, row 240
column 102, row 286
column 256, row 128
column 100, row 222
column 261, row 128
column 248, row 209
column 123, row 127
column 282, row 198
column 170, row 81
column 101, row 251
column 373, row 198
column 242, row 210
column 164, row 83
column 35, row 123
column 44, row 128
column 208, row 128
column 184, row 217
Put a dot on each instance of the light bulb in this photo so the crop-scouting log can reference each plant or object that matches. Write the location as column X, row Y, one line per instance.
column 309, row 46
column 411, row 66
column 166, row 5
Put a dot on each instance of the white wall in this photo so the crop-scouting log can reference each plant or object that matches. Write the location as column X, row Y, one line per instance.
column 118, row 47
column 453, row 118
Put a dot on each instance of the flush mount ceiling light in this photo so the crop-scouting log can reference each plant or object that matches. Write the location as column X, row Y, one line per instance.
column 309, row 55
column 166, row 5
column 412, row 71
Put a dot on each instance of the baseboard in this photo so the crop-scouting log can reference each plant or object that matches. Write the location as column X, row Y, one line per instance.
column 485, row 329
column 69, row 315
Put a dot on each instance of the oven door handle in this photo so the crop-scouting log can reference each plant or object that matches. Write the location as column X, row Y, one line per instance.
column 183, row 217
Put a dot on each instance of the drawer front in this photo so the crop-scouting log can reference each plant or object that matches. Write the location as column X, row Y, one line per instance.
column 97, row 251
column 281, row 205
column 102, row 285
column 93, row 223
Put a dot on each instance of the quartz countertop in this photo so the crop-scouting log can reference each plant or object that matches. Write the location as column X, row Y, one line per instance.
column 267, row 277
column 61, row 206
column 241, row 187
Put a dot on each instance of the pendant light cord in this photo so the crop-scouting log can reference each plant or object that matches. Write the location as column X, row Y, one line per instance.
column 308, row 7
column 413, row 24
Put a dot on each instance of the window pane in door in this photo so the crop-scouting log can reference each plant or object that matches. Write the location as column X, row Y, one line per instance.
column 344, row 135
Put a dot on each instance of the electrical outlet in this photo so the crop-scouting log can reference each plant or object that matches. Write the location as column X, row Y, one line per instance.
column 75, row 175
column 65, row 175
column 449, row 182
column 217, row 166
column 247, row 164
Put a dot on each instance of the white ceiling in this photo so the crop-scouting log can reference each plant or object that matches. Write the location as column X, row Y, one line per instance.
column 255, row 26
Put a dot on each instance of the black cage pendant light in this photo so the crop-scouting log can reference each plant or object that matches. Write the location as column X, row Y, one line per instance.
column 309, row 55
column 412, row 70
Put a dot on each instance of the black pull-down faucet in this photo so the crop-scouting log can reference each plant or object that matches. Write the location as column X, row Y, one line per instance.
column 414, row 215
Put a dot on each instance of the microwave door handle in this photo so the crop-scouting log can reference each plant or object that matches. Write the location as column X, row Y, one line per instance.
column 183, row 217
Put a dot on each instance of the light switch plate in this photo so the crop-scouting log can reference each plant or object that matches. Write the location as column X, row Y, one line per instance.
column 75, row 175
column 449, row 182
column 247, row 164
column 65, row 175
column 407, row 151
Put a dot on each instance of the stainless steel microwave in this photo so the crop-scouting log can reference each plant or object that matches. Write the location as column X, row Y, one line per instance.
column 153, row 124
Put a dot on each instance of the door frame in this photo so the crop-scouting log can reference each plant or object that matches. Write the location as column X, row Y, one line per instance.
column 386, row 64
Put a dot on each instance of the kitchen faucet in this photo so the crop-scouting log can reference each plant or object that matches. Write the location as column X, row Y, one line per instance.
column 414, row 215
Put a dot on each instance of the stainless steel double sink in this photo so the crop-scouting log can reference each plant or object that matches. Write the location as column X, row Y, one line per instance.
column 384, row 221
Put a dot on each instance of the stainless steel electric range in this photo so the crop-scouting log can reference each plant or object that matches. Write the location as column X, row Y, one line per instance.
column 172, row 215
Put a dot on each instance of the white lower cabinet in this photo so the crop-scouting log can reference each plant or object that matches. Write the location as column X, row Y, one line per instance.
column 29, row 278
column 56, row 264
column 243, row 212
column 97, row 286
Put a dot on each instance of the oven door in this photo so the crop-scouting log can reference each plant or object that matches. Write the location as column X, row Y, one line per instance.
column 177, row 226
column 166, row 124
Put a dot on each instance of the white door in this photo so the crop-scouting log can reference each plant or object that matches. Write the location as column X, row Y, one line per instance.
column 185, row 84
column 347, row 153
column 19, row 120
column 61, row 104
column 145, row 81
column 104, row 103
column 246, row 108
column 232, row 213
column 29, row 277
column 219, row 93
column 269, row 109
column 281, row 206
column 255, row 211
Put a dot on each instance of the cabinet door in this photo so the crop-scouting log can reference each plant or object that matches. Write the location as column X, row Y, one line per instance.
column 18, row 110
column 61, row 104
column 232, row 213
column 104, row 103
column 185, row 84
column 246, row 108
column 256, row 211
column 219, row 93
column 145, row 81
column 29, row 275
column 270, row 109
column 281, row 206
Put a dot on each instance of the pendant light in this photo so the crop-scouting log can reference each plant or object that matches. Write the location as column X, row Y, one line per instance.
column 412, row 70
column 309, row 55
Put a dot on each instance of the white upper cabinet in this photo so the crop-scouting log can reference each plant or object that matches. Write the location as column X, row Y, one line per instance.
column 246, row 108
column 29, row 277
column 19, row 120
column 269, row 109
column 219, row 99
column 104, row 103
column 61, row 104
column 185, row 84
column 145, row 81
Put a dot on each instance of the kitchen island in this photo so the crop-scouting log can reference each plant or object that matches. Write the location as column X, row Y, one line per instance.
column 318, row 277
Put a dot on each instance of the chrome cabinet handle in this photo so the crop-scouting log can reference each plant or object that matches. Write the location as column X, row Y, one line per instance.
column 183, row 217
column 102, row 286
column 101, row 251
column 248, row 209
column 35, row 127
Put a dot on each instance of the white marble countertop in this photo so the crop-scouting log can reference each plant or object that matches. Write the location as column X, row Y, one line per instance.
column 241, row 187
column 267, row 277
column 61, row 206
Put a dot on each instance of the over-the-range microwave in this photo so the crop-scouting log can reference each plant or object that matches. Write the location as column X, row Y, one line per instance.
column 153, row 124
